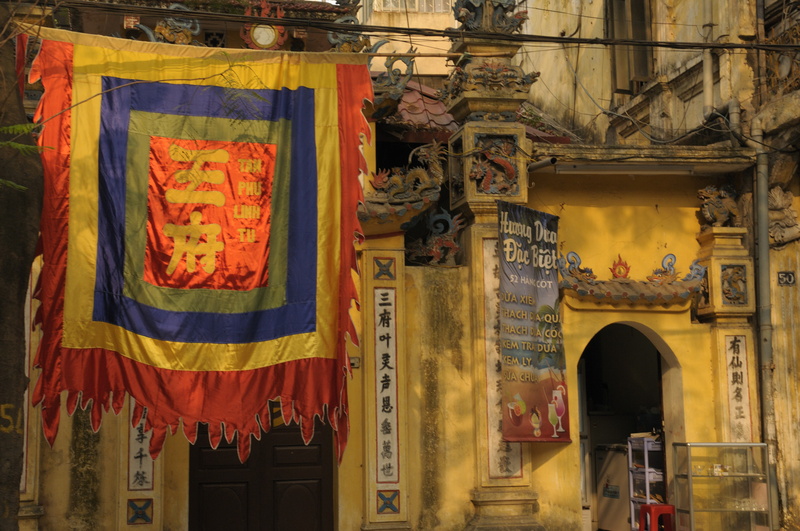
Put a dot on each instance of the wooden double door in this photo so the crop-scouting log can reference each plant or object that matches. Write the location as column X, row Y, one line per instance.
column 284, row 485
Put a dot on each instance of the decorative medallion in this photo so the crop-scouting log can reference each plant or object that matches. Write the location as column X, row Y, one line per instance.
column 263, row 36
column 140, row 511
column 384, row 269
column 388, row 501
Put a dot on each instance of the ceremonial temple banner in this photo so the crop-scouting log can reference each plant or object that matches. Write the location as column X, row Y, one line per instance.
column 534, row 390
column 198, row 231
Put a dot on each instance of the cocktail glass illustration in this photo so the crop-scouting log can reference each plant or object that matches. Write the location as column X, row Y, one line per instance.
column 552, row 416
column 536, row 422
column 558, row 400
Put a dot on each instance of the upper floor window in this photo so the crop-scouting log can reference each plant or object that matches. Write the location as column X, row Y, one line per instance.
column 434, row 6
column 419, row 6
column 632, row 66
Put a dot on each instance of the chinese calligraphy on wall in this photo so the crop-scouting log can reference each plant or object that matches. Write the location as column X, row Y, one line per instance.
column 505, row 458
column 387, row 439
column 140, row 464
column 738, row 390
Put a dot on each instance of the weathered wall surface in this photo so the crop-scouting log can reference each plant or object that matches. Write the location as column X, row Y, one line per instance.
column 576, row 85
column 440, row 421
column 786, row 351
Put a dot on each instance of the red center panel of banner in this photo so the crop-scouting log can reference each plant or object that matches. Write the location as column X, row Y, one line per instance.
column 209, row 205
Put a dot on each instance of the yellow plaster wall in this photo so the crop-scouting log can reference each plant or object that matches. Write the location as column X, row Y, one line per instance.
column 175, row 486
column 425, row 66
column 786, row 356
column 571, row 101
column 440, row 415
column 348, row 491
column 641, row 219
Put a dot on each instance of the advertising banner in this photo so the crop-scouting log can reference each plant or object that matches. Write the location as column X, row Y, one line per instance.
column 534, row 389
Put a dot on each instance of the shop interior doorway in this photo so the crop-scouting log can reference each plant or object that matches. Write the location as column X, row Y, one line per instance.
column 620, row 378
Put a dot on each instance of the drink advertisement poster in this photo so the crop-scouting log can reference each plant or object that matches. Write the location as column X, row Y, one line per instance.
column 534, row 389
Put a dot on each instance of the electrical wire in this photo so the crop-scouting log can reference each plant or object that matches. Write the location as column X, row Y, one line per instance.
column 450, row 33
column 591, row 17
column 456, row 34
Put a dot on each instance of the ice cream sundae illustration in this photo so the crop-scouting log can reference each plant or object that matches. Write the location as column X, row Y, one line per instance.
column 536, row 422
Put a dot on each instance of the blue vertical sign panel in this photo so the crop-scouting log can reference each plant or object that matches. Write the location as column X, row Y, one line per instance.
column 534, row 396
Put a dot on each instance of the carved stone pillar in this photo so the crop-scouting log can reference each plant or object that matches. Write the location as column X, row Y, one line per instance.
column 488, row 159
column 728, row 302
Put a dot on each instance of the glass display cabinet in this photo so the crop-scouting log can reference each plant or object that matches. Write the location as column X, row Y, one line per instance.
column 722, row 486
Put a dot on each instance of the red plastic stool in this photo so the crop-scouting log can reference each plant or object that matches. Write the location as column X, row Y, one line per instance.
column 655, row 511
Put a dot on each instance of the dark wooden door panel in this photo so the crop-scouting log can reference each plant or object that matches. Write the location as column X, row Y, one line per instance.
column 223, row 506
column 298, row 505
column 285, row 485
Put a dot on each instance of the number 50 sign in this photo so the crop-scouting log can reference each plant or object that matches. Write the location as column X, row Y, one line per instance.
column 786, row 278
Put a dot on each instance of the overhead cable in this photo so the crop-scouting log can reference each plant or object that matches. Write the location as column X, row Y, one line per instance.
column 449, row 33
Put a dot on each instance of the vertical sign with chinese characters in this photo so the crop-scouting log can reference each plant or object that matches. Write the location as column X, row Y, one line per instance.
column 534, row 389
column 738, row 389
column 140, row 464
column 505, row 458
column 387, row 440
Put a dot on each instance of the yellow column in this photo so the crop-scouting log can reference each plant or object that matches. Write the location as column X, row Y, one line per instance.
column 384, row 372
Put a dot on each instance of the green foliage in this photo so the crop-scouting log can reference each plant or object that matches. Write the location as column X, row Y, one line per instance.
column 16, row 131
column 25, row 149
column 11, row 184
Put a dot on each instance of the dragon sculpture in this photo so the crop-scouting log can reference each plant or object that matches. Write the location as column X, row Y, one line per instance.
column 403, row 185
column 494, row 166
column 499, row 15
column 438, row 246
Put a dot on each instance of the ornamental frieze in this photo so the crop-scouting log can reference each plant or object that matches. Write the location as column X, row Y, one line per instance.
column 493, row 77
column 663, row 287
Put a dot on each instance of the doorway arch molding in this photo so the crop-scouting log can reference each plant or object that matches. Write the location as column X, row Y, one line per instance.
column 671, row 378
column 673, row 395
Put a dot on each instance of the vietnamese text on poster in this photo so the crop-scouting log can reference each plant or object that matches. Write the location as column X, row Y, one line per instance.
column 534, row 390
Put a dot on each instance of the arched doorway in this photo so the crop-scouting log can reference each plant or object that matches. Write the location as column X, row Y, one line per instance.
column 622, row 392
